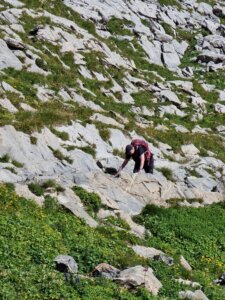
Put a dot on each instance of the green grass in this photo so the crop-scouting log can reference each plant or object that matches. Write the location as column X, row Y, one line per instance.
column 170, row 3
column 61, row 134
column 143, row 98
column 31, row 237
column 119, row 26
column 105, row 134
column 52, row 184
column 5, row 158
column 197, row 234
column 64, row 11
column 60, row 156
column 203, row 142
column 88, row 149
column 91, row 200
column 17, row 163
column 167, row 173
column 33, row 140
column 118, row 152
column 36, row 189
column 117, row 221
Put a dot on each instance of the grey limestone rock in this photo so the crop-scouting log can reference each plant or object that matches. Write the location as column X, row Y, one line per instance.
column 205, row 8
column 219, row 108
column 8, row 105
column 72, row 202
column 196, row 295
column 185, row 264
column 153, row 253
column 8, row 58
column 105, row 270
column 189, row 150
column 68, row 262
column 140, row 276
column 170, row 96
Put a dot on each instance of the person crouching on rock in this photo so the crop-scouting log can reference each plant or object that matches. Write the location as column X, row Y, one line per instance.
column 139, row 151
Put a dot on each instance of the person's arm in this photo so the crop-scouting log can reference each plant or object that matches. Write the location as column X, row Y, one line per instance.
column 122, row 166
column 142, row 162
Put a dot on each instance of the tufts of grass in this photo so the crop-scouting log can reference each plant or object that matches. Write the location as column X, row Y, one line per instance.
column 118, row 152
column 167, row 173
column 117, row 221
column 52, row 184
column 170, row 3
column 91, row 201
column 17, row 163
column 61, row 134
column 60, row 156
column 5, row 158
column 143, row 98
column 211, row 97
column 89, row 149
column 33, row 140
column 104, row 133
column 120, row 26
column 36, row 189
column 12, row 170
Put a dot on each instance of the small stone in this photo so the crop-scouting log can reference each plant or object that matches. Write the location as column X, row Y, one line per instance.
column 185, row 264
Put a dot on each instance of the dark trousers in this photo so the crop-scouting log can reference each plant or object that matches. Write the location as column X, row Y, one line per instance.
column 148, row 165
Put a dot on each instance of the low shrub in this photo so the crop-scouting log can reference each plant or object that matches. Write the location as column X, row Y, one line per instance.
column 36, row 189
column 91, row 201
column 167, row 173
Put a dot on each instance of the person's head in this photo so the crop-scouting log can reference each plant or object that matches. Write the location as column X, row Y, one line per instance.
column 129, row 150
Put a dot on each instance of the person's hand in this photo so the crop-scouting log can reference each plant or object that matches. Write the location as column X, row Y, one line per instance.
column 117, row 174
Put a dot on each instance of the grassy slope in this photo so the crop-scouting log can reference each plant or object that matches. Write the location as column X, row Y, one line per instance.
column 32, row 236
column 198, row 235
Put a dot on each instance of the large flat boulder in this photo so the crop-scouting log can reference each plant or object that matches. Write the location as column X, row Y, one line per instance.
column 140, row 276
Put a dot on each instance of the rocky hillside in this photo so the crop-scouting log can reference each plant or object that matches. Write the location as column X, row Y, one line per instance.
column 79, row 80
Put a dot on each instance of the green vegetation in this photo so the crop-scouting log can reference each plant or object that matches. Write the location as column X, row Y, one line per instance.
column 91, row 201
column 177, row 201
column 89, row 149
column 168, row 29
column 12, row 170
column 104, row 133
column 58, row 154
column 60, row 9
column 117, row 221
column 170, row 3
column 40, row 189
column 36, row 189
column 194, row 173
column 120, row 27
column 61, row 134
column 167, row 173
column 118, row 152
column 33, row 140
column 203, row 142
column 143, row 98
column 17, row 163
column 50, row 183
column 31, row 237
column 5, row 158
column 197, row 234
